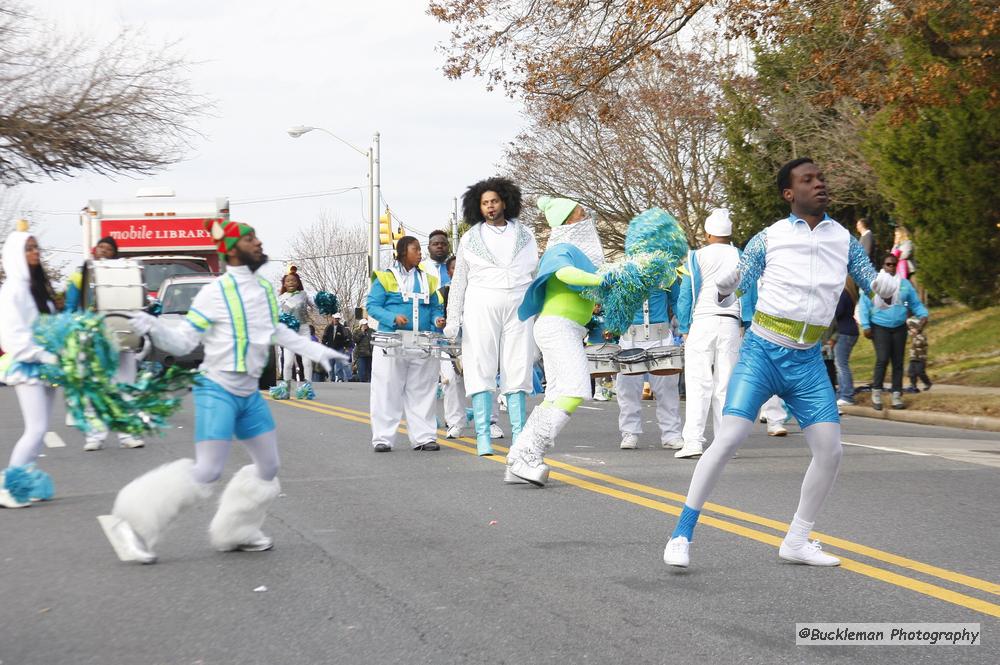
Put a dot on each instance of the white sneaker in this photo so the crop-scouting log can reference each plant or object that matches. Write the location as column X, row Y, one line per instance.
column 630, row 441
column 529, row 465
column 844, row 402
column 130, row 441
column 600, row 395
column 810, row 553
column 777, row 429
column 503, row 402
column 93, row 444
column 689, row 450
column 676, row 552
column 495, row 431
column 454, row 432
column 676, row 444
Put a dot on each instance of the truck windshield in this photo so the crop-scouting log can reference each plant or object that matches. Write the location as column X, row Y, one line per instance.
column 177, row 298
column 156, row 272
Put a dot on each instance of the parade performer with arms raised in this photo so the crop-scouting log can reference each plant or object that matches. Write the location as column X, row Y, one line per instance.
column 295, row 304
column 799, row 265
column 235, row 317
column 495, row 263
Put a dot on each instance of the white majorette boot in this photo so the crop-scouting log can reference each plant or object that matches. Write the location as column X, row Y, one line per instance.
column 526, row 459
column 242, row 509
column 146, row 506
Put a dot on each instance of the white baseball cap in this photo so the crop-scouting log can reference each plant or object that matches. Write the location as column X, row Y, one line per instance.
column 718, row 223
column 337, row 316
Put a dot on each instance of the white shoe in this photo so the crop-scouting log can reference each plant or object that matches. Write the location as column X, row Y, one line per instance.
column 630, row 441
column 125, row 541
column 810, row 553
column 528, row 465
column 777, row 429
column 600, row 395
column 503, row 402
column 689, row 450
column 495, row 431
column 511, row 479
column 93, row 444
column 676, row 444
column 844, row 402
column 261, row 543
column 676, row 552
column 130, row 441
column 454, row 432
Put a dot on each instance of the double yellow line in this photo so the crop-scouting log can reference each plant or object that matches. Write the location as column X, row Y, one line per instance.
column 616, row 487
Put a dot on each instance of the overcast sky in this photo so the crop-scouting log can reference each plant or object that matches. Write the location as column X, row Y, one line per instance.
column 350, row 67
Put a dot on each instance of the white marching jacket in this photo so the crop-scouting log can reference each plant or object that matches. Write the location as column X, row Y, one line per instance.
column 18, row 308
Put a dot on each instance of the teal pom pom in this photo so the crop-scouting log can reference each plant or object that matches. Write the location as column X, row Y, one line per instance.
column 290, row 320
column 86, row 371
column 18, row 481
column 655, row 247
column 279, row 391
column 326, row 303
column 305, row 391
column 42, row 488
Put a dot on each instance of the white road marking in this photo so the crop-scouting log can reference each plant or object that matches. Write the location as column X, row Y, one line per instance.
column 590, row 408
column 888, row 450
column 53, row 440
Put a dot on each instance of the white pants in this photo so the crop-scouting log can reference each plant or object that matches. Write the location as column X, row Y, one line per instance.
column 712, row 342
column 288, row 363
column 403, row 386
column 493, row 338
column 629, row 389
column 453, row 387
column 566, row 371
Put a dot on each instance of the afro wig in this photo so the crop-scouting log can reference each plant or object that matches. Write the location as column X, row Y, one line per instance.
column 509, row 193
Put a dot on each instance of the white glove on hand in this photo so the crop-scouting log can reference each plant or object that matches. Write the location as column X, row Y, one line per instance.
column 886, row 288
column 728, row 283
column 48, row 358
column 451, row 330
column 141, row 322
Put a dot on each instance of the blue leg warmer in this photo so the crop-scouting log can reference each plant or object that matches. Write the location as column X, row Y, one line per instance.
column 41, row 484
column 686, row 522
column 482, row 409
column 518, row 412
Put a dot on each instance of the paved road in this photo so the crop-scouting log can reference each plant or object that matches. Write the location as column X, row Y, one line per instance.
column 417, row 557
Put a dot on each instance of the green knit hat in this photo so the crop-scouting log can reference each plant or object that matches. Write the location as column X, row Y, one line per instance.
column 226, row 234
column 556, row 210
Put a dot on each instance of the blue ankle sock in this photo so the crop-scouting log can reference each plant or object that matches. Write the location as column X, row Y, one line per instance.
column 685, row 524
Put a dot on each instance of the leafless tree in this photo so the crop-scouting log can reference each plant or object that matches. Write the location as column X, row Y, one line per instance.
column 67, row 105
column 332, row 256
column 659, row 147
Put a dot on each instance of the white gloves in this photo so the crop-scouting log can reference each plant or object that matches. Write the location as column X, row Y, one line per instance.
column 48, row 358
column 141, row 322
column 451, row 330
column 728, row 283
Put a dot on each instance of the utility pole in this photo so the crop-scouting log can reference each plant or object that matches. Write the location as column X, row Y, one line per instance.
column 454, row 228
column 375, row 175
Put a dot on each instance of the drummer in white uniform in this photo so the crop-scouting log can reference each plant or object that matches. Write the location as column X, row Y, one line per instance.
column 650, row 328
column 404, row 299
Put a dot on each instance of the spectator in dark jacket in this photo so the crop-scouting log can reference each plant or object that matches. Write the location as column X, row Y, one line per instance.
column 363, row 351
column 337, row 337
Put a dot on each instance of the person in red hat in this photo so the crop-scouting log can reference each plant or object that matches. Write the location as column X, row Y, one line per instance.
column 235, row 317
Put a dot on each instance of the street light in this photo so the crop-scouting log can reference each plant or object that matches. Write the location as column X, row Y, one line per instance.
column 374, row 177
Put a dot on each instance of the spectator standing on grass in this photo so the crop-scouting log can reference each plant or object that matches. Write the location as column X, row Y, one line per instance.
column 866, row 238
column 336, row 337
column 847, row 337
column 887, row 330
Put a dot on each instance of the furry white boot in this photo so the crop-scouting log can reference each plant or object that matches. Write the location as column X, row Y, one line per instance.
column 152, row 501
column 242, row 509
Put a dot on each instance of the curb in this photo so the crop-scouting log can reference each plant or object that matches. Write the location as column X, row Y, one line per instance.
column 982, row 423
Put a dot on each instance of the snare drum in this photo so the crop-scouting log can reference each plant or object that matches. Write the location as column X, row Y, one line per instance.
column 632, row 361
column 113, row 287
column 665, row 360
column 601, row 359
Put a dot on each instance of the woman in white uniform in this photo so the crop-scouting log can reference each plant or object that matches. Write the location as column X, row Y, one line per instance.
column 293, row 299
column 495, row 263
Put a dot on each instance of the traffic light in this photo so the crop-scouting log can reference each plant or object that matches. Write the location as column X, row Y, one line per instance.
column 398, row 233
column 385, row 228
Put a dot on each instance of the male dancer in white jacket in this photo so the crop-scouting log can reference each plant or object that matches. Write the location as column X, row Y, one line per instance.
column 799, row 265
column 235, row 317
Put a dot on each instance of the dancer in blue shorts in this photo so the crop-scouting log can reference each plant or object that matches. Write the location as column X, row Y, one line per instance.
column 801, row 263
column 235, row 317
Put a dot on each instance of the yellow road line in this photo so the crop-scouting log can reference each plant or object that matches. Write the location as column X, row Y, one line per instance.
column 850, row 564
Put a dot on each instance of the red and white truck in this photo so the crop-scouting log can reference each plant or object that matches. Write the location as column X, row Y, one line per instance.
column 165, row 232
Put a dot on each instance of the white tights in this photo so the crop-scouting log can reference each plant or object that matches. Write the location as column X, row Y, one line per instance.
column 823, row 440
column 36, row 410
column 210, row 457
column 288, row 365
